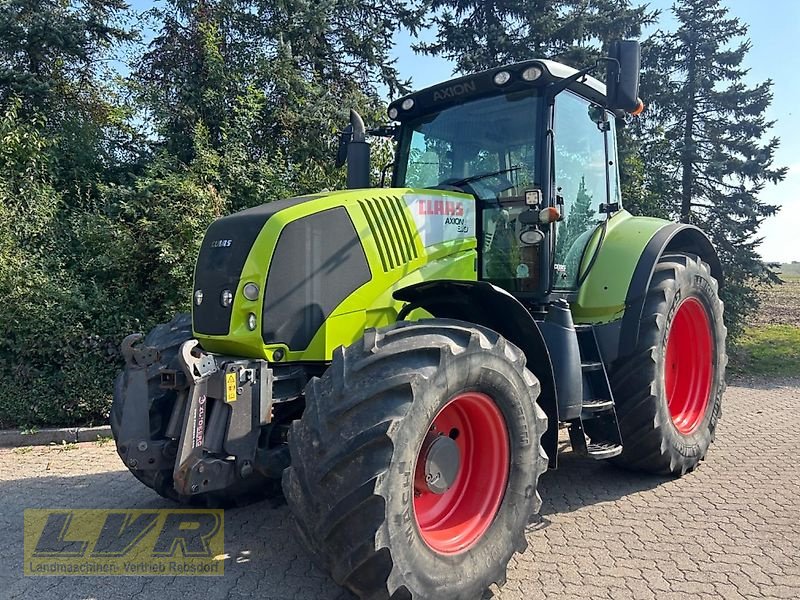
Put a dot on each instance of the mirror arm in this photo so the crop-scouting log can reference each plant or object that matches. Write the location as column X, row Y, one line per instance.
column 389, row 131
column 565, row 83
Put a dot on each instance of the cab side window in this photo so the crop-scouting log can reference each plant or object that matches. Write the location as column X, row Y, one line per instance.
column 580, row 175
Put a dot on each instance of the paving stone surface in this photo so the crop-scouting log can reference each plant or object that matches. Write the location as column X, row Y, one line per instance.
column 729, row 530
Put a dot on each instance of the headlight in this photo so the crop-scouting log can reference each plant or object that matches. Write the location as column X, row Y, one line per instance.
column 532, row 73
column 502, row 77
column 226, row 298
column 251, row 322
column 407, row 104
column 393, row 113
column 250, row 291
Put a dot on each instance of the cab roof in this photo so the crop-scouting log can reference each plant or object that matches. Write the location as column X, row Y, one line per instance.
column 482, row 84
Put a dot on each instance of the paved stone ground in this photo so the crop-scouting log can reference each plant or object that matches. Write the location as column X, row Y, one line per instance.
column 729, row 530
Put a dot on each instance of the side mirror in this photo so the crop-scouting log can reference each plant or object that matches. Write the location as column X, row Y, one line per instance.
column 622, row 78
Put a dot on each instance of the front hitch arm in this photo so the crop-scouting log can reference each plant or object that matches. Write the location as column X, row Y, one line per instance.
column 136, row 448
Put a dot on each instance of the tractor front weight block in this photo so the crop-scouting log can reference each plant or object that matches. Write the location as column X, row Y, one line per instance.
column 211, row 441
column 136, row 448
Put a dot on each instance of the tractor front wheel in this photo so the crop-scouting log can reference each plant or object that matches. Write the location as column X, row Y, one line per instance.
column 668, row 393
column 415, row 464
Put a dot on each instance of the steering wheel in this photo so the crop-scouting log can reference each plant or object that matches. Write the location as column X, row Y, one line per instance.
column 502, row 184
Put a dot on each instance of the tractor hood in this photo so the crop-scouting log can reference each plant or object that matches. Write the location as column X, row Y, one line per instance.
column 224, row 250
column 321, row 262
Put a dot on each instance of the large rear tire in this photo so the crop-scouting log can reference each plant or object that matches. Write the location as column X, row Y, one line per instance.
column 363, row 484
column 668, row 394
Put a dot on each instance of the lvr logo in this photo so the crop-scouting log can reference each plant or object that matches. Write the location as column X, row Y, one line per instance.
column 123, row 542
column 121, row 531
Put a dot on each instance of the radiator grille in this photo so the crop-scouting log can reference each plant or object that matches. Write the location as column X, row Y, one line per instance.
column 390, row 230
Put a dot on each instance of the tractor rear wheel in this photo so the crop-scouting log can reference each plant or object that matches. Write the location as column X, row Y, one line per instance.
column 668, row 394
column 414, row 466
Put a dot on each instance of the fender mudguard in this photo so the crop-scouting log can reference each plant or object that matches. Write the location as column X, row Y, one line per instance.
column 613, row 295
column 485, row 304
column 676, row 237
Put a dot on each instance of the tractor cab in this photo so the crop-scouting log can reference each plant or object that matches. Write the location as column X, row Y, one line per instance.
column 535, row 144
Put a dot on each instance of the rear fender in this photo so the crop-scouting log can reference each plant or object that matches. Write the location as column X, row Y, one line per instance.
column 484, row 304
column 676, row 237
column 613, row 295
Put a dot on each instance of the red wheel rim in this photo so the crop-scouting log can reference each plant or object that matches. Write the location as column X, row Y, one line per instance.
column 689, row 365
column 454, row 521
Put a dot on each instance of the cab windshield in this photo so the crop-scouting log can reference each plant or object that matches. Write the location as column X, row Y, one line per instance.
column 491, row 142
column 486, row 147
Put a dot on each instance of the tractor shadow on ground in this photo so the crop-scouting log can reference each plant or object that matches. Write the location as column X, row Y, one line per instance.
column 263, row 555
column 580, row 481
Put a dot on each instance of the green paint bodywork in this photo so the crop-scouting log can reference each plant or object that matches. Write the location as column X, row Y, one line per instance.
column 371, row 305
column 601, row 298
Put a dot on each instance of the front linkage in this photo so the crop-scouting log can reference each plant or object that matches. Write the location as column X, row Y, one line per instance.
column 220, row 432
column 234, row 397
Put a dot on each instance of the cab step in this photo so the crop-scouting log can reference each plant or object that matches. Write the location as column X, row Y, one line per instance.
column 603, row 450
column 596, row 432
column 596, row 405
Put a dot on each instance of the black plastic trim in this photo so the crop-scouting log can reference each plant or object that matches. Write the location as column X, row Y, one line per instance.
column 223, row 252
column 318, row 261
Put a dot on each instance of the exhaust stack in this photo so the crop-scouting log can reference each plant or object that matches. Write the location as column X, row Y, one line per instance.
column 357, row 154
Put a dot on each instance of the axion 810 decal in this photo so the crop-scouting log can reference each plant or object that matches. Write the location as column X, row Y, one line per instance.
column 442, row 218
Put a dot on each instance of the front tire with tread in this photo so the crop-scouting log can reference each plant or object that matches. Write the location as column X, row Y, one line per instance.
column 350, row 483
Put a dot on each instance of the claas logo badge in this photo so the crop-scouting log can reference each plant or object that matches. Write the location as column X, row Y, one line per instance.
column 124, row 542
column 448, row 208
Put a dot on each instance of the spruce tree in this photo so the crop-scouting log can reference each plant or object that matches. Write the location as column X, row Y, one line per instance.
column 49, row 48
column 480, row 34
column 706, row 133
column 295, row 68
column 54, row 60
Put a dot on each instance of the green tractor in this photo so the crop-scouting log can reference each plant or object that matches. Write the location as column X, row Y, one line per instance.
column 399, row 361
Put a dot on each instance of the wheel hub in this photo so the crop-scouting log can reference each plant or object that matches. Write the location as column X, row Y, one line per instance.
column 440, row 464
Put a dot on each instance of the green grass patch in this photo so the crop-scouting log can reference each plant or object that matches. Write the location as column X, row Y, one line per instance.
column 792, row 268
column 767, row 350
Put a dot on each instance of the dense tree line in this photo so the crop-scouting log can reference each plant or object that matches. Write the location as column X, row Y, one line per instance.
column 110, row 174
